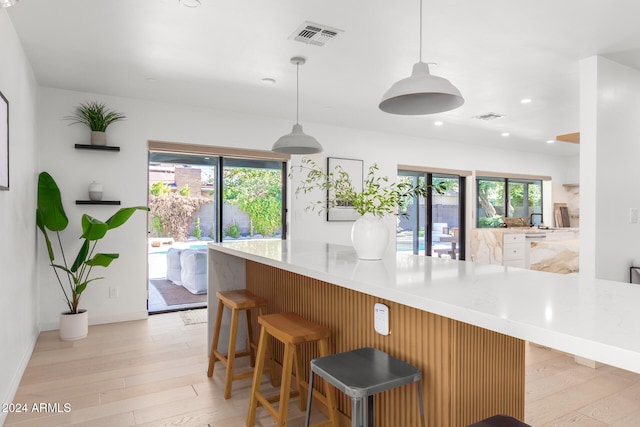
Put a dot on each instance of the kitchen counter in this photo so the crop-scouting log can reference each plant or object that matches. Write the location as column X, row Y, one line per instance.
column 595, row 319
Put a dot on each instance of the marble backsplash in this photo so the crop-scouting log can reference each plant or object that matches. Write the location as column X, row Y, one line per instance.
column 556, row 252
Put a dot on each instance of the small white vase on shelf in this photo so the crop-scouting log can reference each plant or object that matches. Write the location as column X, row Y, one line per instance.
column 370, row 237
column 95, row 191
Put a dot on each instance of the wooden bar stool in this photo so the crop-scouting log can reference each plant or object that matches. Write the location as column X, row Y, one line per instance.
column 291, row 330
column 236, row 301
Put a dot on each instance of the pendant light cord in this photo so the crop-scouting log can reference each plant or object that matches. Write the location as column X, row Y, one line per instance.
column 298, row 89
column 420, row 31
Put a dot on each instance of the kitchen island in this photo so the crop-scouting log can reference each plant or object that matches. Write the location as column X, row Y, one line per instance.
column 463, row 324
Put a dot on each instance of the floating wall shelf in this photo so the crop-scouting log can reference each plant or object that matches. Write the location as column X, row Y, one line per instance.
column 97, row 147
column 97, row 202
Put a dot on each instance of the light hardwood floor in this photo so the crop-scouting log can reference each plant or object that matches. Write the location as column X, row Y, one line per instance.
column 153, row 373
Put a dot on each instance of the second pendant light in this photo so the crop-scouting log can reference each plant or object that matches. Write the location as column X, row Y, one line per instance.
column 297, row 142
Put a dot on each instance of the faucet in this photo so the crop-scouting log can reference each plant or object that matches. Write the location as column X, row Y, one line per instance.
column 531, row 218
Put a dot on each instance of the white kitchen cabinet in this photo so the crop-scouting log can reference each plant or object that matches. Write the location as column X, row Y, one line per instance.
column 513, row 250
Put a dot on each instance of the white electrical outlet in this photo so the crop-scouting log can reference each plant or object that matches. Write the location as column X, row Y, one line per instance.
column 381, row 318
column 113, row 292
column 633, row 215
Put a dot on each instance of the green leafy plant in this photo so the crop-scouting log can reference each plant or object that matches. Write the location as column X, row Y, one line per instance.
column 197, row 231
column 159, row 189
column 175, row 213
column 50, row 215
column 232, row 231
column 379, row 196
column 258, row 193
column 185, row 191
column 95, row 115
column 493, row 222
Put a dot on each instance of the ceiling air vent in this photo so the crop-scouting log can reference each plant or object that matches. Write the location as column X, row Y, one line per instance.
column 315, row 34
column 488, row 116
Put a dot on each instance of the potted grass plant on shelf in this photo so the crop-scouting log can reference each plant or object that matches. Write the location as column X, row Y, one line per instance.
column 74, row 278
column 97, row 117
column 378, row 198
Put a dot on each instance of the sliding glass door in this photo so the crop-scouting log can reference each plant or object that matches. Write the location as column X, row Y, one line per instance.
column 434, row 225
column 196, row 199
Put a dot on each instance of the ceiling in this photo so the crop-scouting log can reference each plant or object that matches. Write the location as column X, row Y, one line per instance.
column 497, row 52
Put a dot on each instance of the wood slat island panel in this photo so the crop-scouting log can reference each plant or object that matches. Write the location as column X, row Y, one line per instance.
column 469, row 372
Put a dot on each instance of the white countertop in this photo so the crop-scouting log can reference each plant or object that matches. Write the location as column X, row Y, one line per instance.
column 595, row 319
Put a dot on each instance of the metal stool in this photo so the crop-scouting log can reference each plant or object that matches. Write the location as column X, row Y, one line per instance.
column 362, row 373
column 236, row 301
column 499, row 421
column 291, row 330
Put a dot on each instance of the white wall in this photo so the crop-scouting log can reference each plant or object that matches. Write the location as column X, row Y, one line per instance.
column 18, row 304
column 609, row 153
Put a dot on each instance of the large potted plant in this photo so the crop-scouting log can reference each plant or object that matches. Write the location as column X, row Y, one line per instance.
column 378, row 198
column 97, row 117
column 74, row 278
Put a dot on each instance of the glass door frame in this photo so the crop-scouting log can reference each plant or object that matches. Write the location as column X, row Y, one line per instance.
column 428, row 211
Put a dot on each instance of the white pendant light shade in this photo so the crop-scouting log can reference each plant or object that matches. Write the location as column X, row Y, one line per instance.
column 7, row 3
column 421, row 93
column 297, row 142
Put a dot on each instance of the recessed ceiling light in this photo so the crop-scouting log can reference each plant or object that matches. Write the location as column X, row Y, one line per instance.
column 438, row 123
column 269, row 80
column 190, row 3
column 525, row 101
column 505, row 134
column 550, row 141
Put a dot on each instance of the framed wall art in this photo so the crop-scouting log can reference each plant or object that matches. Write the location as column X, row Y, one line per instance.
column 355, row 169
column 4, row 143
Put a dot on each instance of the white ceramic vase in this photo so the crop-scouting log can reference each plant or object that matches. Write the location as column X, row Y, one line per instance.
column 98, row 138
column 74, row 326
column 370, row 237
column 95, row 191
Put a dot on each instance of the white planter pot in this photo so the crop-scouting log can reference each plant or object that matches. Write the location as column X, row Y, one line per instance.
column 98, row 138
column 370, row 237
column 74, row 326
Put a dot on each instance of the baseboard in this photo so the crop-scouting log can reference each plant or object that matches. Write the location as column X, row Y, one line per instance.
column 587, row 362
column 124, row 317
column 100, row 320
column 17, row 377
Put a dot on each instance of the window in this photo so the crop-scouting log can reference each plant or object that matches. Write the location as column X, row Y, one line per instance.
column 507, row 197
column 434, row 225
column 224, row 198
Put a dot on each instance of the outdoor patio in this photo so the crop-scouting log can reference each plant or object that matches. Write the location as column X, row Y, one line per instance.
column 163, row 294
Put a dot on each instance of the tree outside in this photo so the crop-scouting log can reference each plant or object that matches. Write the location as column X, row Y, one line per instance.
column 258, row 193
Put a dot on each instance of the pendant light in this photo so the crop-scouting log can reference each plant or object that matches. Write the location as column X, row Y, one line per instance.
column 8, row 3
column 297, row 142
column 421, row 93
